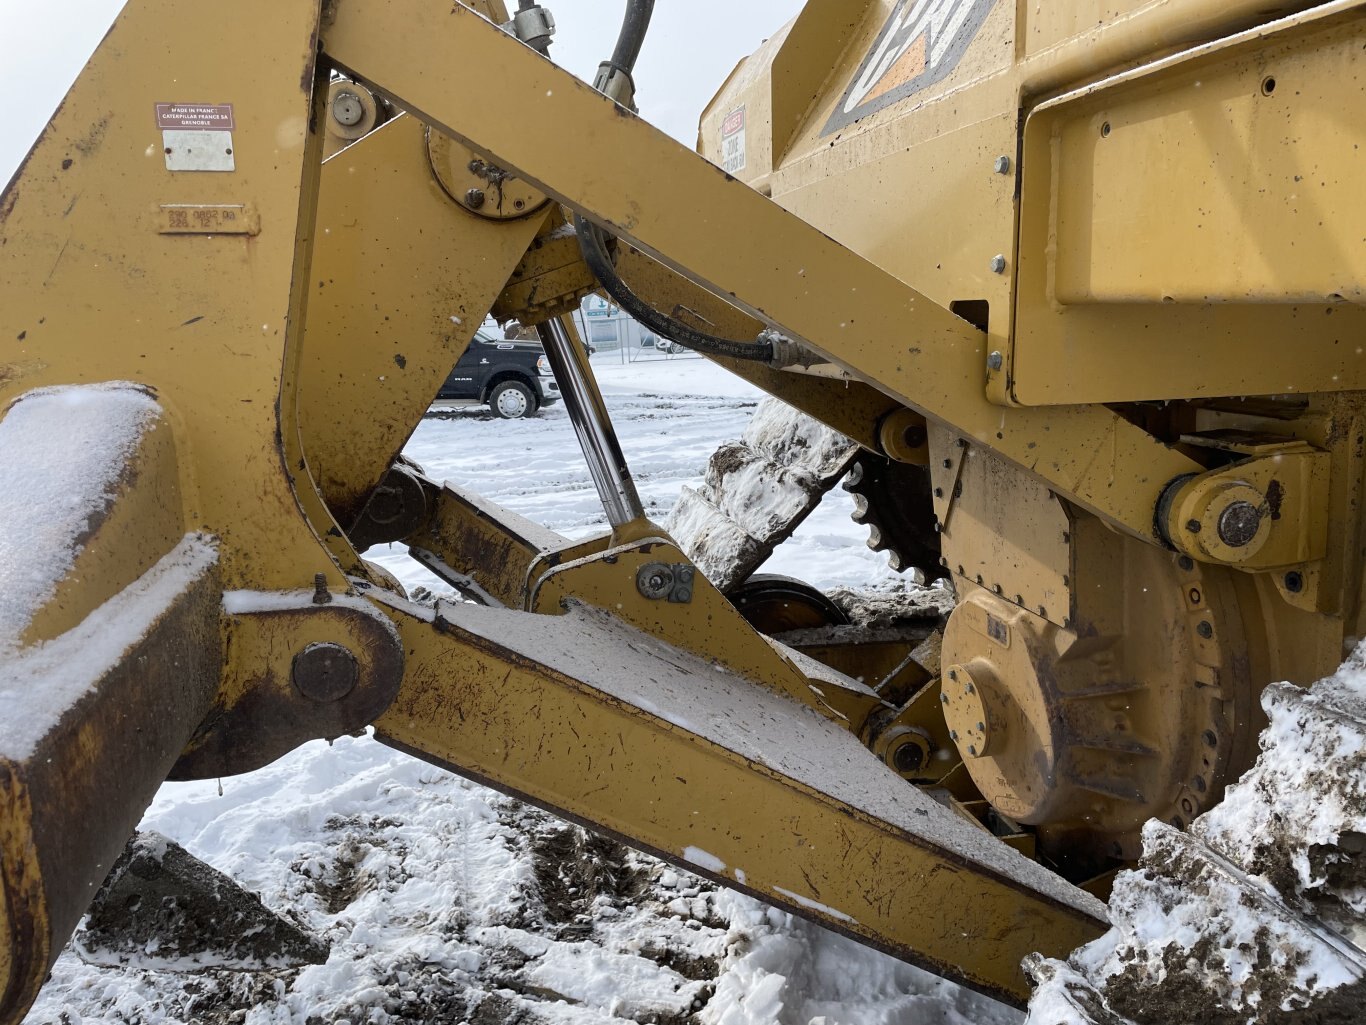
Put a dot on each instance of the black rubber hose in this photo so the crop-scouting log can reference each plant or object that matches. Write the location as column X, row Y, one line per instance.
column 633, row 29
column 595, row 255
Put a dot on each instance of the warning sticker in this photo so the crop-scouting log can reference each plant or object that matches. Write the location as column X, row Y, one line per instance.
column 202, row 117
column 733, row 141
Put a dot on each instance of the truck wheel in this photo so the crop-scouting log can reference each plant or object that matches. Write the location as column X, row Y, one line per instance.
column 512, row 400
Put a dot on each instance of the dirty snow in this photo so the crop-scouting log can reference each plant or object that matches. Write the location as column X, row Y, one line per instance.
column 1261, row 909
column 446, row 902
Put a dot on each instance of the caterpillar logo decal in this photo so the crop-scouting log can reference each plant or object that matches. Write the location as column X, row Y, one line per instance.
column 921, row 43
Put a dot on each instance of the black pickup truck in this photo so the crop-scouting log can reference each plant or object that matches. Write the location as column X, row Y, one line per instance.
column 513, row 377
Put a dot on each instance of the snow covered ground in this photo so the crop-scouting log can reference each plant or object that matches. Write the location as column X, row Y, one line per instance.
column 446, row 902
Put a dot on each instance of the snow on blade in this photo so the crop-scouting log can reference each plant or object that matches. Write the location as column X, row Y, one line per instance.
column 815, row 905
column 62, row 451
column 46, row 680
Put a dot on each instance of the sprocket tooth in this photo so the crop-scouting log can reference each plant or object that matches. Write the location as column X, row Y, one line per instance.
column 893, row 501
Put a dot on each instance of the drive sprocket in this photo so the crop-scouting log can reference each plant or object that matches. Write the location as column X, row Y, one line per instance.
column 893, row 500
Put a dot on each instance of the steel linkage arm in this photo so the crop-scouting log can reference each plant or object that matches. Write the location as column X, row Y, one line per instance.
column 600, row 160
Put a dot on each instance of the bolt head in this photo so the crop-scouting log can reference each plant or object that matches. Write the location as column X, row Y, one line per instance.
column 953, row 734
column 995, row 361
column 1002, row 165
column 474, row 199
column 998, row 264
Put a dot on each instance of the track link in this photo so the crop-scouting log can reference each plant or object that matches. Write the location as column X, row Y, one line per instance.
column 1258, row 915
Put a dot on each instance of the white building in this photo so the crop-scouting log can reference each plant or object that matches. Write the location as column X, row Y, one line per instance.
column 607, row 328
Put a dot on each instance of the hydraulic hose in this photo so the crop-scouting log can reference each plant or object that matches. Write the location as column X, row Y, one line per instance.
column 633, row 29
column 592, row 243
column 594, row 252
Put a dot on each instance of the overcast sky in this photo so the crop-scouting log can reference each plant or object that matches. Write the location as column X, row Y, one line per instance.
column 692, row 47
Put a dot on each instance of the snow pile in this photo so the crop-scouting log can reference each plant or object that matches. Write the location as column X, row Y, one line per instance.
column 757, row 491
column 443, row 901
column 790, row 971
column 1259, row 914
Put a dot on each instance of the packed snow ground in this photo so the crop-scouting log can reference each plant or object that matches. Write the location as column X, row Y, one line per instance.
column 447, row 902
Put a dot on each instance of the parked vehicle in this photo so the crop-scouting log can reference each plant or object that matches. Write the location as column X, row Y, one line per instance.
column 512, row 377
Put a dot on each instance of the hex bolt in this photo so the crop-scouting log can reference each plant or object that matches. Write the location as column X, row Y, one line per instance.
column 943, row 698
column 1294, row 582
column 474, row 199
column 996, row 361
column 1204, row 629
column 998, row 264
column 1193, row 526
column 972, row 750
column 953, row 734
column 1002, row 165
column 1239, row 523
column 325, row 672
column 981, row 727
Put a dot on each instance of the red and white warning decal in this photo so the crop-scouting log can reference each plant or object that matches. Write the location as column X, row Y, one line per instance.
column 733, row 141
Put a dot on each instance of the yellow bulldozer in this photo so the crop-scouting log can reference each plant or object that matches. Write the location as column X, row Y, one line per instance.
column 1084, row 283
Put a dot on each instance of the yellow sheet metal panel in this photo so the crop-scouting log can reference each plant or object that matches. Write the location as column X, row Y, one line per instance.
column 1061, row 42
column 1238, row 182
column 1194, row 229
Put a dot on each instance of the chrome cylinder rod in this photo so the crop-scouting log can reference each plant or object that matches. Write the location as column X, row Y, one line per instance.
column 588, row 413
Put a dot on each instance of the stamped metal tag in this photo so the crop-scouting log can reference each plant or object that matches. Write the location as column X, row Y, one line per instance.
column 197, row 136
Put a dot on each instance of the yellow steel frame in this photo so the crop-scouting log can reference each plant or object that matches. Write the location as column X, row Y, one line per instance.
column 216, row 323
column 578, row 147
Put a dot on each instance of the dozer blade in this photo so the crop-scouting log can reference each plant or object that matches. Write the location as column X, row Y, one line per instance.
column 163, row 908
